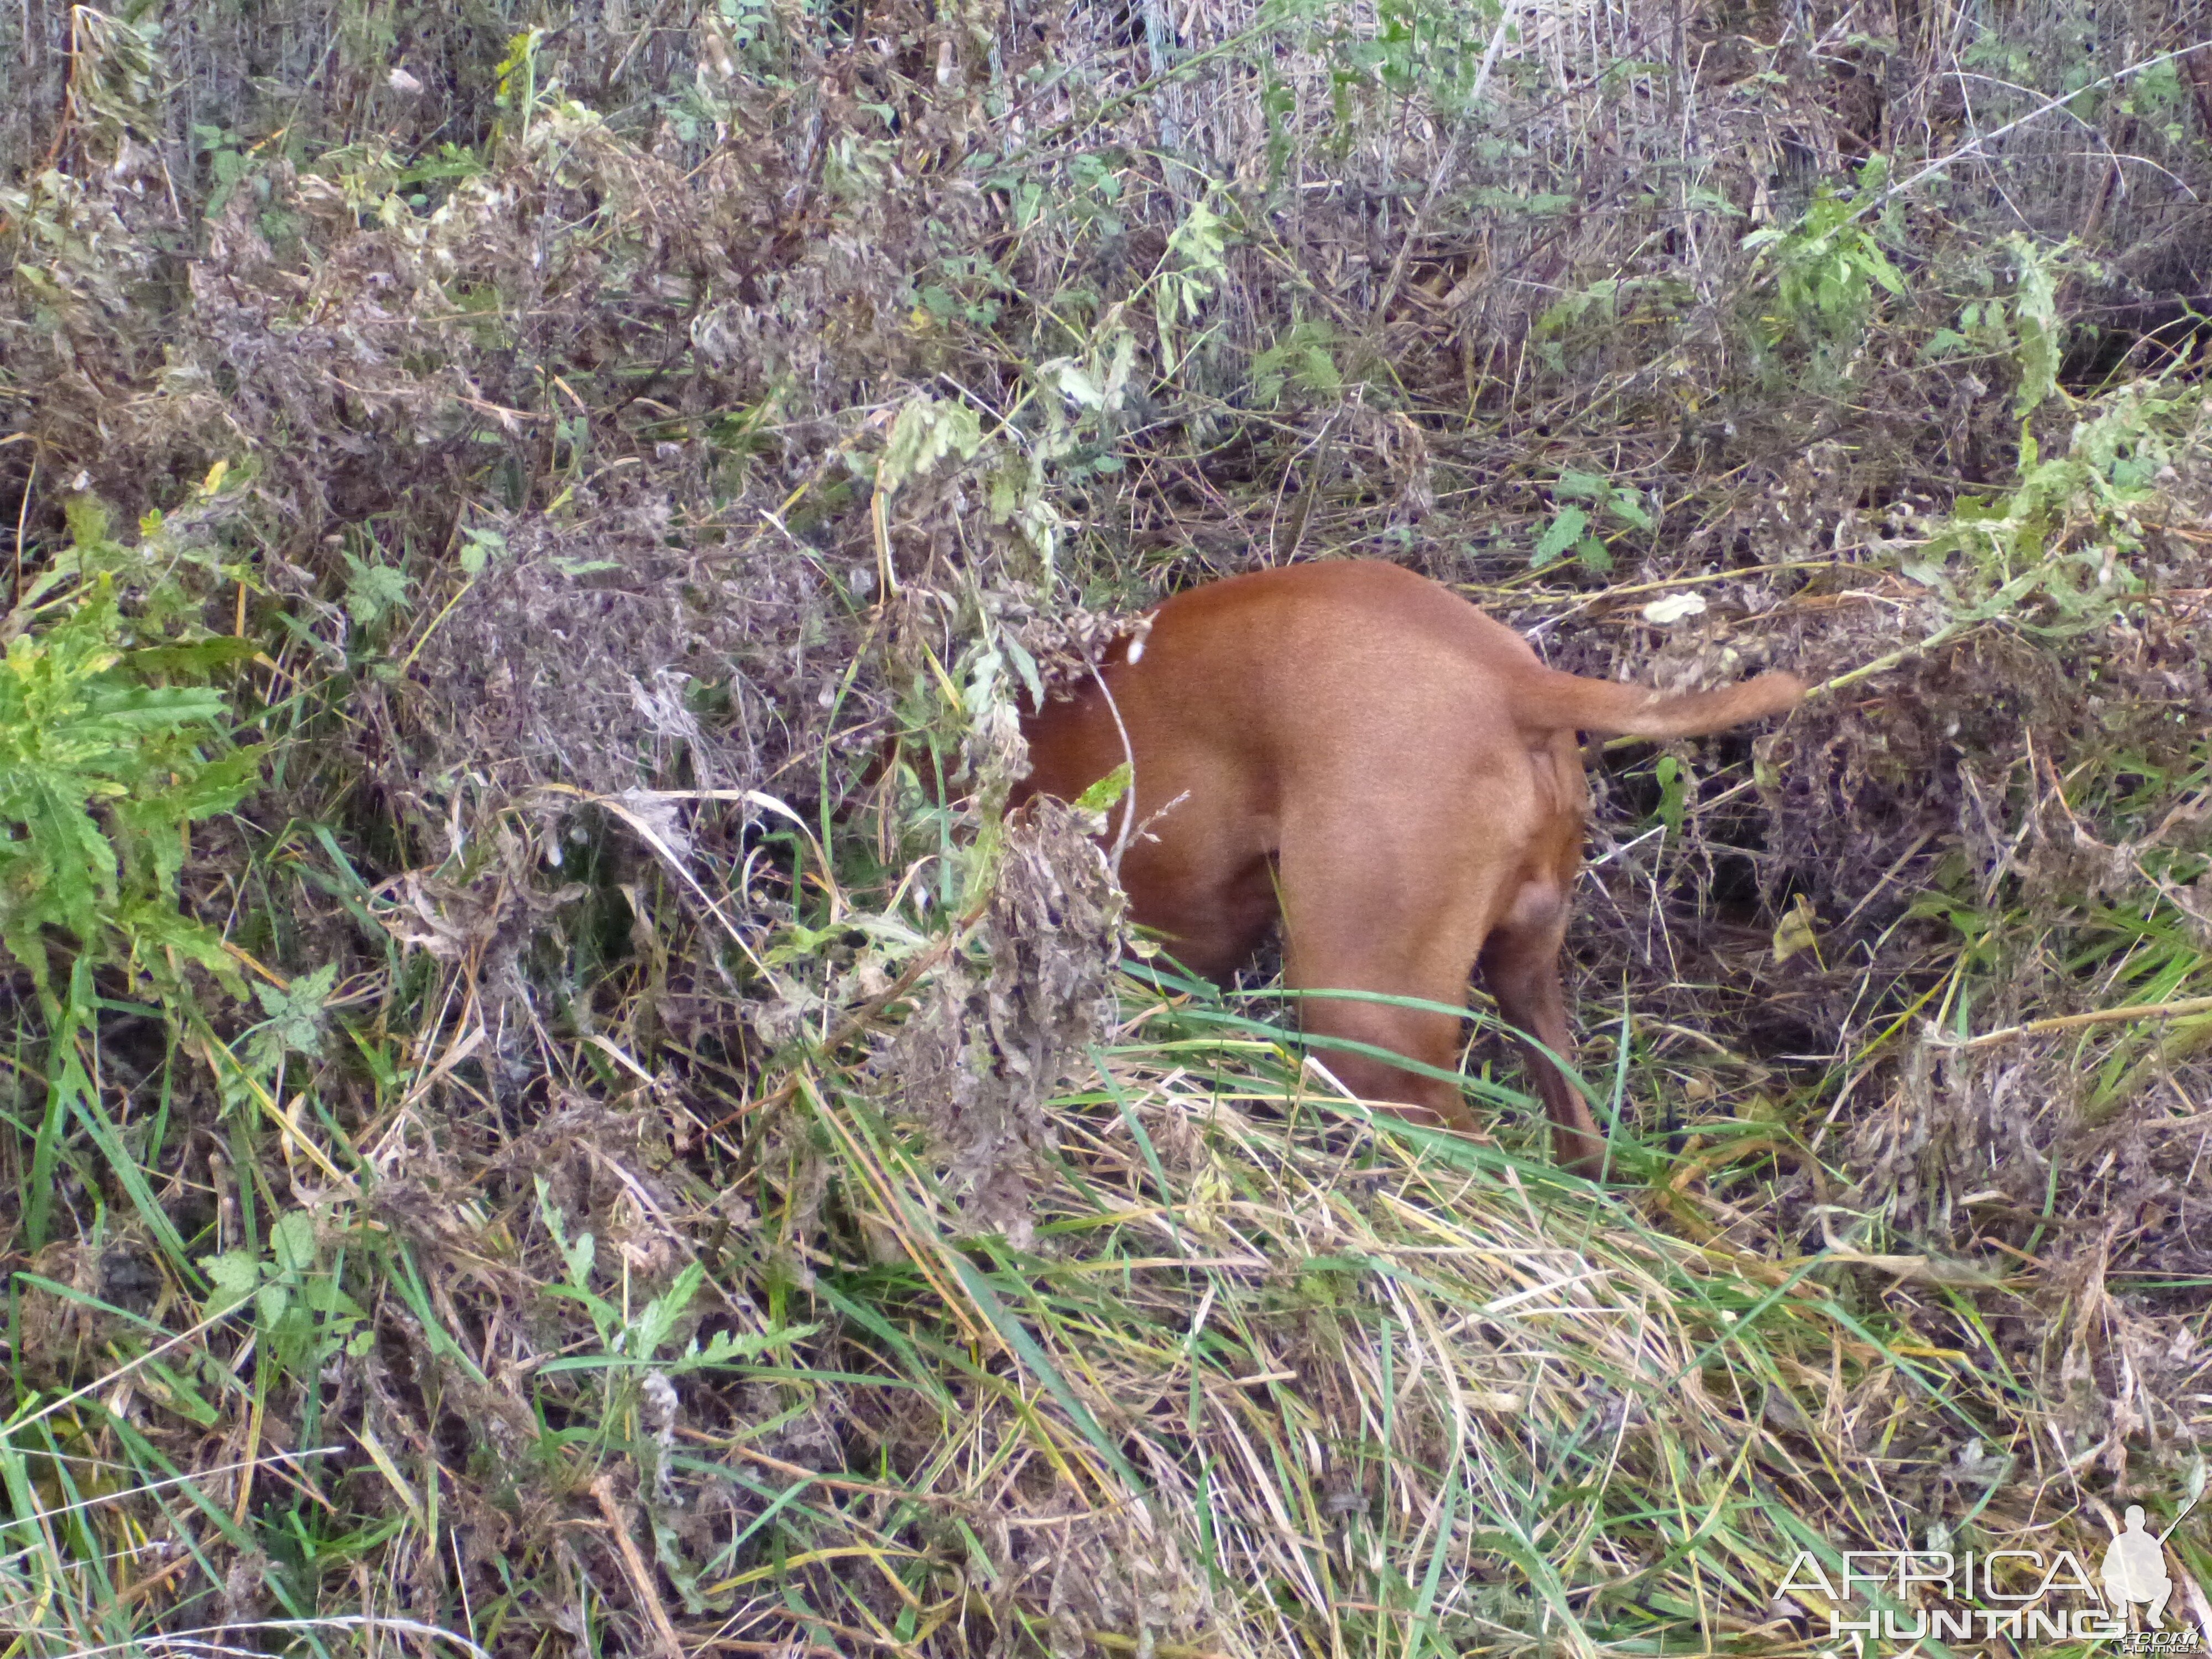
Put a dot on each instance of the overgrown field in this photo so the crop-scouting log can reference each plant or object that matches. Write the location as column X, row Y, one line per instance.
column 546, row 1112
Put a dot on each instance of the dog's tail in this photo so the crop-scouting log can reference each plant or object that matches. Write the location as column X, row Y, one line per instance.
column 1552, row 701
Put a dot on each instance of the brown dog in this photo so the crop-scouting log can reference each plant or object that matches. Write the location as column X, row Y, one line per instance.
column 1359, row 750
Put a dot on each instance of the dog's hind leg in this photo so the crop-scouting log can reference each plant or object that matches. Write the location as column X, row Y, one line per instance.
column 1366, row 907
column 1521, row 966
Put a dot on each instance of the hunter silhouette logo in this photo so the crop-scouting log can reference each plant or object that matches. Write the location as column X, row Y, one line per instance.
column 2029, row 1597
column 2135, row 1568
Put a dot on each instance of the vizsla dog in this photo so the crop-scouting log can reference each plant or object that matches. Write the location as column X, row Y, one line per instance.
column 1357, row 749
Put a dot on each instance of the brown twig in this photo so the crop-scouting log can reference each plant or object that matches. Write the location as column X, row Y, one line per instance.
column 641, row 1576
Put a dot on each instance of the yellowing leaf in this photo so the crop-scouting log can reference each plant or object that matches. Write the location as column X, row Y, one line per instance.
column 1797, row 930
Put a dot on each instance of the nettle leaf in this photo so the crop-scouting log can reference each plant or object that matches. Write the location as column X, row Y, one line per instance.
column 296, row 1023
column 271, row 1303
column 1565, row 531
column 1628, row 507
column 292, row 1242
column 372, row 591
column 236, row 1275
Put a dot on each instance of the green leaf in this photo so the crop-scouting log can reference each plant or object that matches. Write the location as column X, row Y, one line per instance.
column 578, row 1258
column 2036, row 312
column 292, row 1240
column 1565, row 530
column 375, row 591
column 236, row 1275
column 1628, row 507
column 1025, row 666
column 1077, row 385
column 193, row 658
column 1674, row 794
column 155, row 929
column 652, row 1328
column 480, row 547
column 296, row 1019
column 926, row 431
column 1101, row 795
column 270, row 1303
column 215, row 786
column 1877, row 264
column 176, row 1392
column 728, row 1347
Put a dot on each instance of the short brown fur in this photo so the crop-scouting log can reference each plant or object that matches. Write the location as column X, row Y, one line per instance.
column 1400, row 768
